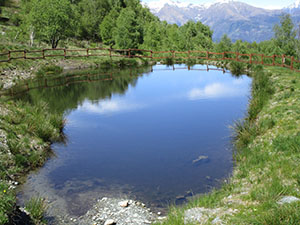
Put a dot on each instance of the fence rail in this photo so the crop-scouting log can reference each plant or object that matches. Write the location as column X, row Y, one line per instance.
column 275, row 60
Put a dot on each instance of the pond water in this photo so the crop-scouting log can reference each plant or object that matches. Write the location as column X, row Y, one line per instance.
column 155, row 134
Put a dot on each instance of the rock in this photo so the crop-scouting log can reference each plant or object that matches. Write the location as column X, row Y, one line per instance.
column 217, row 221
column 288, row 199
column 110, row 222
column 124, row 204
column 193, row 215
column 201, row 159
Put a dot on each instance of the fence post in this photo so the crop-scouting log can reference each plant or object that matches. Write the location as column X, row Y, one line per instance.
column 24, row 53
column 262, row 59
column 65, row 53
column 292, row 63
column 43, row 51
column 251, row 58
column 129, row 53
column 273, row 60
column 173, row 54
column 9, row 58
column 87, row 52
column 110, row 53
column 237, row 56
column 207, row 55
column 283, row 60
column 189, row 54
column 223, row 56
column 151, row 54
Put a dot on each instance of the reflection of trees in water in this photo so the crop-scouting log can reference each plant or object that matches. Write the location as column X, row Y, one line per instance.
column 66, row 92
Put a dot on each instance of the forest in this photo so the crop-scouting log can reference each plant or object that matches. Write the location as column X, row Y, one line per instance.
column 122, row 24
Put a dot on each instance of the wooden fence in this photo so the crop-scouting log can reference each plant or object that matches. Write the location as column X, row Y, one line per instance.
column 253, row 58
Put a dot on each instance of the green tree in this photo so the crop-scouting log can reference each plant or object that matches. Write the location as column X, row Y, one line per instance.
column 127, row 33
column 153, row 36
column 224, row 45
column 51, row 20
column 91, row 15
column 107, row 27
column 285, row 35
column 195, row 35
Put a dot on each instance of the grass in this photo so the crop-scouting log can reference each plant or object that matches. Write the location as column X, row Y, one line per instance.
column 36, row 207
column 267, row 158
column 26, row 134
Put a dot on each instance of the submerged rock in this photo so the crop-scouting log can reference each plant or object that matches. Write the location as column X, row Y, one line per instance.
column 201, row 159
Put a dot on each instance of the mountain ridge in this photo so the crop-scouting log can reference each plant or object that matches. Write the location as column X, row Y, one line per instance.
column 239, row 20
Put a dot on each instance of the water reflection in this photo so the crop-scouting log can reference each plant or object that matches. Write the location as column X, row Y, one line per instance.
column 219, row 90
column 157, row 137
column 108, row 106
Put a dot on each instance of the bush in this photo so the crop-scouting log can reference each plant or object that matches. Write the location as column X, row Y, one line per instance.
column 237, row 68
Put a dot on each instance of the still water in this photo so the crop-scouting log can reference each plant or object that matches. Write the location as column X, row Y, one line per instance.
column 156, row 135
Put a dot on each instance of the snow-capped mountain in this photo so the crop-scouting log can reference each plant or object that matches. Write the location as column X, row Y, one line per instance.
column 237, row 19
column 293, row 8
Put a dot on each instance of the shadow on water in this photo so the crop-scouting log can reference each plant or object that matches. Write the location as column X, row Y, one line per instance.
column 153, row 134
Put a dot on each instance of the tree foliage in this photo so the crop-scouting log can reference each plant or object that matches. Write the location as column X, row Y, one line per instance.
column 90, row 15
column 285, row 35
column 127, row 33
column 51, row 20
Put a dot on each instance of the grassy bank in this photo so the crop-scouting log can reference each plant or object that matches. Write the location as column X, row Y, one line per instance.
column 267, row 160
column 26, row 133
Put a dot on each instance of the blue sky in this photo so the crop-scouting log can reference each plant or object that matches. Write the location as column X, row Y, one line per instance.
column 259, row 3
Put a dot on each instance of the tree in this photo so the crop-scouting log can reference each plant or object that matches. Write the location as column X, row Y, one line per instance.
column 195, row 35
column 127, row 33
column 153, row 36
column 285, row 35
column 51, row 20
column 224, row 45
column 91, row 15
column 108, row 26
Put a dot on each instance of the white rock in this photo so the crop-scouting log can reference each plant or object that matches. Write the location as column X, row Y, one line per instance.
column 124, row 204
column 109, row 222
column 288, row 199
column 217, row 221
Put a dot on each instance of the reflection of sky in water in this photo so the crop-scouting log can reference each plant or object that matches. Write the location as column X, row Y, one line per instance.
column 148, row 138
column 195, row 87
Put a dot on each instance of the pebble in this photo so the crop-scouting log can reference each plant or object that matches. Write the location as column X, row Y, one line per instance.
column 110, row 222
column 124, row 204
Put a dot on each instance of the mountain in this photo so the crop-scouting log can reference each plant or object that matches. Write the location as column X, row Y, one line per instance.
column 236, row 19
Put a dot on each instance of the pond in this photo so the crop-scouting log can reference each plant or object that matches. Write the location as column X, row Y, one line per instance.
column 155, row 134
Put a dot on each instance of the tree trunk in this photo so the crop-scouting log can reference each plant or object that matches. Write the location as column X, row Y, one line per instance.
column 54, row 42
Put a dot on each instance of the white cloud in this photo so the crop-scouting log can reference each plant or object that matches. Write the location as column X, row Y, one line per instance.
column 108, row 106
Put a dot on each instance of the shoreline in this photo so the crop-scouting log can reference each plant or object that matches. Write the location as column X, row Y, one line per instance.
column 234, row 201
column 264, row 187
